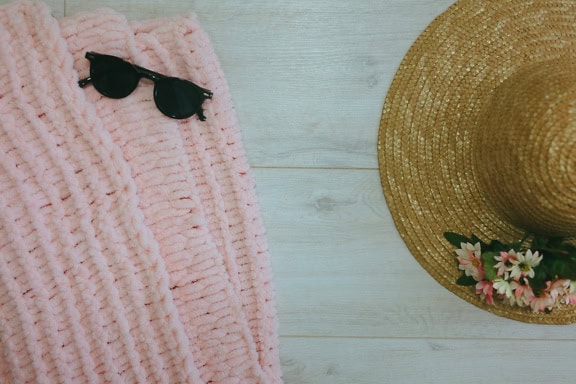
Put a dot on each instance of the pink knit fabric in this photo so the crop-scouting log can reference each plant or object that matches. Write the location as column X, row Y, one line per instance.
column 131, row 246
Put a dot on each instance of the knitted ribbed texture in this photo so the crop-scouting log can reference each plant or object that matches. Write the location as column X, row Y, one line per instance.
column 131, row 246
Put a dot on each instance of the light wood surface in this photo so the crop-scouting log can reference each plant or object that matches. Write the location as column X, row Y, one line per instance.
column 308, row 79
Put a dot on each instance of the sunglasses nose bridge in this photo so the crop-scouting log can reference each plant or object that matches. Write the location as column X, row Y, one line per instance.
column 148, row 74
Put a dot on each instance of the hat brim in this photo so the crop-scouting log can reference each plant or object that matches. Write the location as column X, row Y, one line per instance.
column 429, row 117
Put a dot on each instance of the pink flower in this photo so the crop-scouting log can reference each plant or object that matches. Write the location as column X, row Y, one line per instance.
column 559, row 287
column 562, row 289
column 547, row 299
column 486, row 291
column 523, row 293
column 543, row 302
column 469, row 260
column 505, row 263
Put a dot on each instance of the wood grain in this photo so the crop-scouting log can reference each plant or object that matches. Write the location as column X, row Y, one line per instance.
column 409, row 361
column 342, row 270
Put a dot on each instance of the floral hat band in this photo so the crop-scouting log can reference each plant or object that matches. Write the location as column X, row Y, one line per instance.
column 477, row 155
column 542, row 280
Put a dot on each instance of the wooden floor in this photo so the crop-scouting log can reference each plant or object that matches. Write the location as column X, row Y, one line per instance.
column 308, row 79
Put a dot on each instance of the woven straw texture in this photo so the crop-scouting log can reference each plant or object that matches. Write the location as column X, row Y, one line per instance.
column 131, row 245
column 470, row 141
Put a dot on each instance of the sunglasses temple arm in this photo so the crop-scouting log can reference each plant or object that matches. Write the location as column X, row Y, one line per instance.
column 84, row 82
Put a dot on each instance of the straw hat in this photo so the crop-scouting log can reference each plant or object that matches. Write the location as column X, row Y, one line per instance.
column 478, row 135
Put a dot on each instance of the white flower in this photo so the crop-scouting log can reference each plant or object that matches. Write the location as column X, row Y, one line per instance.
column 503, row 288
column 524, row 264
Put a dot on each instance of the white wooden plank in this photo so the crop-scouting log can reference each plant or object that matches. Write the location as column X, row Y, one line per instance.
column 409, row 361
column 308, row 78
column 310, row 82
column 341, row 269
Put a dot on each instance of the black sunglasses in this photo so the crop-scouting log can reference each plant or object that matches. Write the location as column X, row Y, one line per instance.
column 116, row 78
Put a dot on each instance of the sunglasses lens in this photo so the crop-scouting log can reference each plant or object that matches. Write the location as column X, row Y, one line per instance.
column 113, row 77
column 178, row 98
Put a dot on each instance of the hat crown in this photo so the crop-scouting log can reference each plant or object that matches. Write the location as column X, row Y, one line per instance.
column 525, row 149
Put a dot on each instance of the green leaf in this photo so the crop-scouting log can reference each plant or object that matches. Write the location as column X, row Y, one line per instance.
column 489, row 262
column 466, row 281
column 456, row 239
column 555, row 247
column 567, row 248
column 539, row 242
column 558, row 242
column 560, row 267
column 497, row 246
column 541, row 276
column 558, row 253
column 475, row 239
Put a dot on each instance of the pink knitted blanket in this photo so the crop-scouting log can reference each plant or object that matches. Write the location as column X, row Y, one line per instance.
column 131, row 246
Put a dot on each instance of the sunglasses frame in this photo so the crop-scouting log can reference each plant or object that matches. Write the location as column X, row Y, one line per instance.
column 141, row 72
